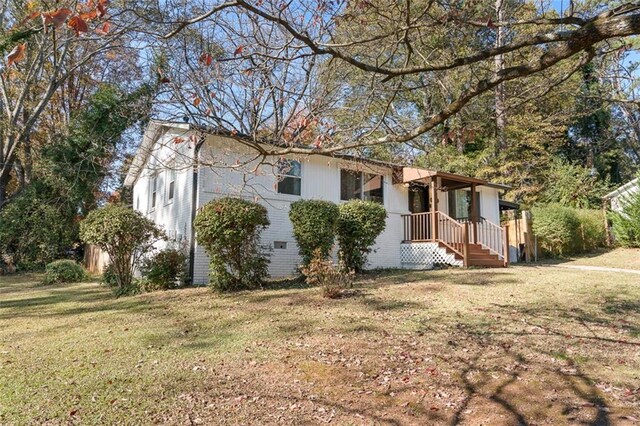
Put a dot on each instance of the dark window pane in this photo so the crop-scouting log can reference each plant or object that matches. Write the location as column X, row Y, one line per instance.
column 289, row 185
column 171, row 190
column 372, row 189
column 350, row 185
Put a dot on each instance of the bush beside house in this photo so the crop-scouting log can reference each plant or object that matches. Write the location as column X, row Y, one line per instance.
column 314, row 227
column 229, row 230
column 126, row 236
column 359, row 224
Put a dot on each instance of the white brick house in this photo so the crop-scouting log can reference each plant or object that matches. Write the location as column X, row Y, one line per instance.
column 432, row 217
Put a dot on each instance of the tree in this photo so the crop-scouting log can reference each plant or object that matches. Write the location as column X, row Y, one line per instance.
column 125, row 235
column 402, row 56
column 49, row 49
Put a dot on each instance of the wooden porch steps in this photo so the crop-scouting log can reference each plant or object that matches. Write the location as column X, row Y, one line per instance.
column 478, row 256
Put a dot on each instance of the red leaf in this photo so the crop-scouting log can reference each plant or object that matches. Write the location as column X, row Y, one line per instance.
column 17, row 54
column 196, row 102
column 206, row 59
column 78, row 25
column 56, row 17
column 238, row 50
column 490, row 23
column 104, row 30
column 178, row 140
column 101, row 10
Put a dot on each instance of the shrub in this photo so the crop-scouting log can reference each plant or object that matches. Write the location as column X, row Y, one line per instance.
column 359, row 224
column 64, row 271
column 33, row 231
column 124, row 234
column 593, row 233
column 626, row 224
column 109, row 277
column 314, row 227
column 164, row 270
column 557, row 228
column 321, row 272
column 229, row 230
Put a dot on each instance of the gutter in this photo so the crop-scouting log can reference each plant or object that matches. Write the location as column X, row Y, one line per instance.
column 194, row 208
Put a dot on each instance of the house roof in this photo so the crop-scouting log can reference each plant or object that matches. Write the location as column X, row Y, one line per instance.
column 622, row 189
column 157, row 127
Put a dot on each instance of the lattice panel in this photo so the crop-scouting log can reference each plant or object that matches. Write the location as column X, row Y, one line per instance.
column 425, row 255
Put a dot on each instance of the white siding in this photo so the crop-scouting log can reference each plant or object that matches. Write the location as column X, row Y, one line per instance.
column 223, row 172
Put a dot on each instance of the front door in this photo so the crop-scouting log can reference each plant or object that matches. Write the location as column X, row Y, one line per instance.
column 418, row 198
column 419, row 225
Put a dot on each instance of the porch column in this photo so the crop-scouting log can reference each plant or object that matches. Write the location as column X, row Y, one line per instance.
column 474, row 216
column 434, row 208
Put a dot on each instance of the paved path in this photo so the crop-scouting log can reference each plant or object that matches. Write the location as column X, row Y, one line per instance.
column 600, row 268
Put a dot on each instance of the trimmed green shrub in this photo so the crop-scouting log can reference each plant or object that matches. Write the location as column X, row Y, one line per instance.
column 625, row 225
column 314, row 227
column 164, row 270
column 557, row 228
column 593, row 233
column 229, row 230
column 126, row 236
column 64, row 271
column 359, row 224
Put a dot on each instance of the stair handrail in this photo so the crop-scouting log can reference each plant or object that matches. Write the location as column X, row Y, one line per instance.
column 491, row 236
column 451, row 232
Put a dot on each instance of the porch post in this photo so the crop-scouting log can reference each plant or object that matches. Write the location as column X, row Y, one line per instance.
column 434, row 208
column 465, row 244
column 506, row 245
column 474, row 217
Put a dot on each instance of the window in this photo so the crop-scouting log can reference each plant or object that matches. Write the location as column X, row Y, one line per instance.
column 289, row 177
column 153, row 191
column 350, row 185
column 171, row 182
column 460, row 204
column 362, row 186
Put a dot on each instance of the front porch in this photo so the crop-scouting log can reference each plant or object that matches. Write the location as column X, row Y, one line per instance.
column 431, row 236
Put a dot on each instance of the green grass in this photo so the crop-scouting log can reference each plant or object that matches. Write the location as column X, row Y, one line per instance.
column 534, row 344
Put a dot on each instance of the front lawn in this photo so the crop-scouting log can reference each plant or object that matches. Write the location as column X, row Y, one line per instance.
column 534, row 345
column 624, row 258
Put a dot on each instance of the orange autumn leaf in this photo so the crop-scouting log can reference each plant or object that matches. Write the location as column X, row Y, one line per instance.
column 238, row 50
column 56, row 17
column 104, row 29
column 90, row 15
column 78, row 25
column 17, row 54
column 196, row 102
column 178, row 140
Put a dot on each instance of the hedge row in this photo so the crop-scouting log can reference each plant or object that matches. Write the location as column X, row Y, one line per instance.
column 564, row 231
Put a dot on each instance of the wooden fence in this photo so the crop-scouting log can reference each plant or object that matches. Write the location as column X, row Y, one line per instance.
column 95, row 260
column 521, row 236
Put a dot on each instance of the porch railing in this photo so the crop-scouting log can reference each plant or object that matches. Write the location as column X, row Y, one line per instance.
column 432, row 226
column 457, row 235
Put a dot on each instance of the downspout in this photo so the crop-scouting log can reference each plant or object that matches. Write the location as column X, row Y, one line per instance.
column 194, row 209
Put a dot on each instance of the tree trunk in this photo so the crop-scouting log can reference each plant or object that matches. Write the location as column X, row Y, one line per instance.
column 500, row 103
